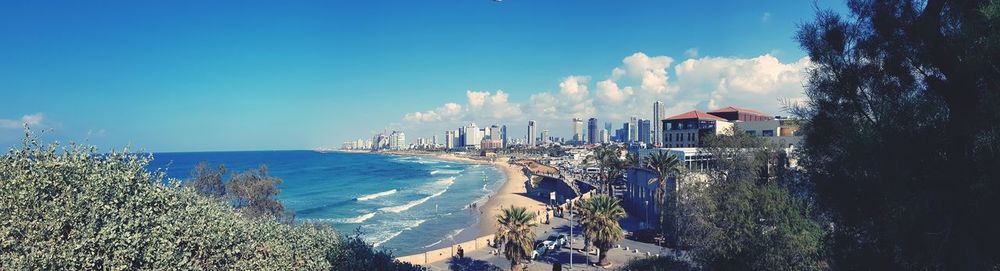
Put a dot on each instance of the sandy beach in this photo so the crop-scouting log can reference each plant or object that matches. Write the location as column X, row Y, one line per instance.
column 512, row 192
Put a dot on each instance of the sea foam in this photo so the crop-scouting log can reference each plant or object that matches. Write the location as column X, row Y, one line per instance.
column 376, row 195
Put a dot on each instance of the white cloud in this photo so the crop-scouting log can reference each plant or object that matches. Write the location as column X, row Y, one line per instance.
column 755, row 83
column 630, row 89
column 32, row 120
column 447, row 112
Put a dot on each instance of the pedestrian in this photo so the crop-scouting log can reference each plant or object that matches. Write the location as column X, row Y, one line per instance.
column 461, row 252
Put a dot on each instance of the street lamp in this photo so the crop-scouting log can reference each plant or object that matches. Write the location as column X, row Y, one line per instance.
column 570, row 203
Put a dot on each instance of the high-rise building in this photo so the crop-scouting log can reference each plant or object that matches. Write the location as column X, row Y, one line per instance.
column 503, row 136
column 434, row 141
column 577, row 130
column 531, row 133
column 604, row 136
column 473, row 136
column 592, row 133
column 633, row 131
column 450, row 139
column 644, row 131
column 495, row 132
column 657, row 124
column 545, row 136
column 626, row 134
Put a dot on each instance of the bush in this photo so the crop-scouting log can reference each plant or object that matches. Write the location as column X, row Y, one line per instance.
column 660, row 263
column 74, row 208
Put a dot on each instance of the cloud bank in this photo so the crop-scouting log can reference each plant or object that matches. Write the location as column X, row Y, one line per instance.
column 630, row 89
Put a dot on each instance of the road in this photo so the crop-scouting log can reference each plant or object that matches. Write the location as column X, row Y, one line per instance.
column 483, row 259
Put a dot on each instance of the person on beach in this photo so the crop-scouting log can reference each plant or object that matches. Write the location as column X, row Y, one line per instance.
column 461, row 252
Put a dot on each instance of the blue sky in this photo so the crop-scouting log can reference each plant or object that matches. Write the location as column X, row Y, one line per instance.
column 258, row 75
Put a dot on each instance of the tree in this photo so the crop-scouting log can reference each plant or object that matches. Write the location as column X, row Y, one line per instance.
column 665, row 165
column 514, row 231
column 656, row 263
column 902, row 132
column 600, row 217
column 743, row 218
column 208, row 181
column 253, row 191
column 612, row 167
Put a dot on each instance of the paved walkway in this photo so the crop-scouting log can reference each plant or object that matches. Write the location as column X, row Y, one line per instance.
column 483, row 260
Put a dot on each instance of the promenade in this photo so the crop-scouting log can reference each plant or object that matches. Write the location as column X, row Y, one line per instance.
column 482, row 259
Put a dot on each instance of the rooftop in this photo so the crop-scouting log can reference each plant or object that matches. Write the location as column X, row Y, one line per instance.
column 737, row 109
column 695, row 114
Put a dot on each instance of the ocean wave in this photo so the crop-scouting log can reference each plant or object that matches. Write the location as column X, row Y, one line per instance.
column 445, row 181
column 450, row 236
column 355, row 220
column 412, row 225
column 376, row 195
column 445, row 171
column 407, row 206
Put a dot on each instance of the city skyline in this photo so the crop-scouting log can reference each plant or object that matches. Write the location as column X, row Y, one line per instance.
column 212, row 78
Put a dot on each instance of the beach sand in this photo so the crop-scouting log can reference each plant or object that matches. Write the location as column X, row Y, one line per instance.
column 512, row 192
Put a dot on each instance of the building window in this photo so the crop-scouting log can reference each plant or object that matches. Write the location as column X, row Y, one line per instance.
column 767, row 133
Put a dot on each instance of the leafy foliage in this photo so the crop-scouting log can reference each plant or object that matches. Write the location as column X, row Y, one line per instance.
column 599, row 216
column 612, row 167
column 744, row 218
column 665, row 166
column 661, row 263
column 515, row 234
column 74, row 208
column 902, row 132
column 208, row 181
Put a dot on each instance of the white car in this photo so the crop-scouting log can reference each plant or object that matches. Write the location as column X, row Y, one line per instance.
column 541, row 249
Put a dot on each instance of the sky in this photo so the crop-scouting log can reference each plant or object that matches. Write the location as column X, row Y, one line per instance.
column 169, row 76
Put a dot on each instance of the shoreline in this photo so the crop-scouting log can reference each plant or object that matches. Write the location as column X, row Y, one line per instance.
column 511, row 192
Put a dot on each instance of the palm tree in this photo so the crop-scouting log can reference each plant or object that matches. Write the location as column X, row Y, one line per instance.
column 665, row 166
column 600, row 216
column 608, row 159
column 514, row 232
column 634, row 160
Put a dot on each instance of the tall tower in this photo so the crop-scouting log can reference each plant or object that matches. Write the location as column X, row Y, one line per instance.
column 633, row 131
column 503, row 136
column 658, row 124
column 531, row 133
column 592, row 133
column 577, row 130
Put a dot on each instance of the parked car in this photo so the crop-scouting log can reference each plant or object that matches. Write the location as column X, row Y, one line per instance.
column 541, row 249
column 557, row 241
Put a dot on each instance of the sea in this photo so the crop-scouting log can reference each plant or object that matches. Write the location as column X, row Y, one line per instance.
column 403, row 204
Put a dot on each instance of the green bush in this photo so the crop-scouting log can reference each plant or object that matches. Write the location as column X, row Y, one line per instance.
column 74, row 208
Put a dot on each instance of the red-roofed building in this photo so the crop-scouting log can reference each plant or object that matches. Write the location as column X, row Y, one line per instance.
column 740, row 114
column 686, row 130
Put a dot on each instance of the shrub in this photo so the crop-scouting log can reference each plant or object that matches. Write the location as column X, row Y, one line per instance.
column 74, row 208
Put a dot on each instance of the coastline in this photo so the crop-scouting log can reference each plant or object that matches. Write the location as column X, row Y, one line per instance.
column 511, row 192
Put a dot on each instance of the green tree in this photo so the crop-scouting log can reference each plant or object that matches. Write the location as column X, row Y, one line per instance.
column 743, row 217
column 253, row 191
column 599, row 216
column 514, row 231
column 612, row 167
column 902, row 132
column 666, row 166
column 208, row 181
column 656, row 263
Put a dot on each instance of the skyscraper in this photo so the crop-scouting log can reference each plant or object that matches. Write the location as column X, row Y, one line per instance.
column 473, row 136
column 495, row 132
column 545, row 136
column 633, row 131
column 531, row 133
column 503, row 136
column 592, row 133
column 450, row 139
column 657, row 124
column 577, row 130
column 644, row 131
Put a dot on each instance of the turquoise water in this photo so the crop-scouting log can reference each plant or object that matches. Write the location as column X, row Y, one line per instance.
column 405, row 204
